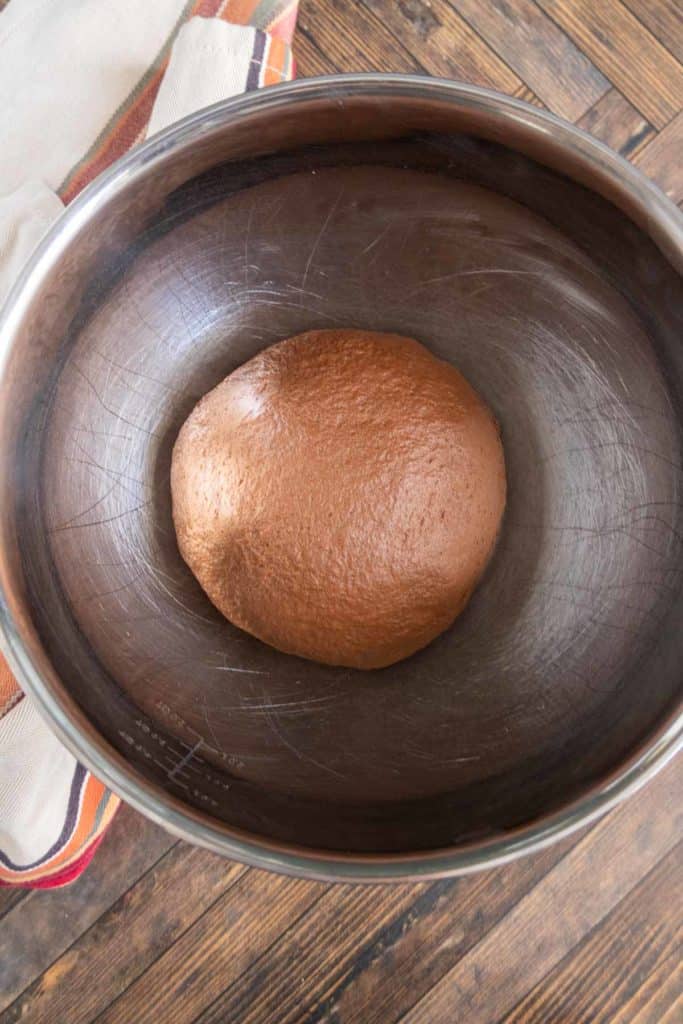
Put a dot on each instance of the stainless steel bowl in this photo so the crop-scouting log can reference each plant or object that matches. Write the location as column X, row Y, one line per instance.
column 511, row 243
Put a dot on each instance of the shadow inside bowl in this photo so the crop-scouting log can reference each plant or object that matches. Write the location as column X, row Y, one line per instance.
column 559, row 311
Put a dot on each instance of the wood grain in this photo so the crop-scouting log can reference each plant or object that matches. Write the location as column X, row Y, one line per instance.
column 349, row 35
column 387, row 970
column 605, row 972
column 664, row 18
column 526, row 94
column 444, row 42
column 310, row 60
column 515, row 955
column 541, row 54
column 42, row 927
column 617, row 122
column 217, row 951
column 127, row 939
column 626, row 53
column 345, row 916
column 662, row 159
column 9, row 898
column 659, row 1000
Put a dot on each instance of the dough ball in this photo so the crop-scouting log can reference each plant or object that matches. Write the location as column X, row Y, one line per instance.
column 339, row 495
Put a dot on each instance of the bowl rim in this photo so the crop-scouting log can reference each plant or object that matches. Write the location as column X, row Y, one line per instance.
column 30, row 662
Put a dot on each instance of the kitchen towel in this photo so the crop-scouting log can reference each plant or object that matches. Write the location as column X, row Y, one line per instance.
column 81, row 82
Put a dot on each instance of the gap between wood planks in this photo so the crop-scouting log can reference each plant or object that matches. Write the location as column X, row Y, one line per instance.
column 588, row 883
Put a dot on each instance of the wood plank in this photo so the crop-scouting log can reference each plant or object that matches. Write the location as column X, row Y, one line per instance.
column 542, row 55
column 662, row 159
column 622, row 48
column 659, row 1000
column 512, row 958
column 39, row 929
column 381, row 971
column 616, row 122
column 352, row 38
column 348, row 917
column 10, row 896
column 125, row 940
column 606, row 970
column 525, row 93
column 443, row 43
column 664, row 18
column 310, row 60
column 219, row 949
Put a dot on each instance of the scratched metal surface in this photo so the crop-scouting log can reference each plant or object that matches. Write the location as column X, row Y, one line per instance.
column 564, row 319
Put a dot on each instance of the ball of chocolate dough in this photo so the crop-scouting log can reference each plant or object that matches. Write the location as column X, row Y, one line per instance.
column 339, row 495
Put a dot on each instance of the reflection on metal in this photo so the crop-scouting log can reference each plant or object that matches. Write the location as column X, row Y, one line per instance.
column 393, row 204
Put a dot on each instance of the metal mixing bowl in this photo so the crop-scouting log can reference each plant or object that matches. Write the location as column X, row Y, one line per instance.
column 540, row 263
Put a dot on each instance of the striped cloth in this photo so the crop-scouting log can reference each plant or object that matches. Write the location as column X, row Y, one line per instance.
column 81, row 81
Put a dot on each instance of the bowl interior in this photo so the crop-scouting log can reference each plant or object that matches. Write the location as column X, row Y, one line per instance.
column 566, row 318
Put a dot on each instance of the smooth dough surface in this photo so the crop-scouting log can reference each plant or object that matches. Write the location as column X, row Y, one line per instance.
column 339, row 495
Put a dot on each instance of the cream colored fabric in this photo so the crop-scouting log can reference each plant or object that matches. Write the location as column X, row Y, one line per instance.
column 66, row 66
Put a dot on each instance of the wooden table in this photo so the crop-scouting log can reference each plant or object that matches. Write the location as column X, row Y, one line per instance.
column 589, row 930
